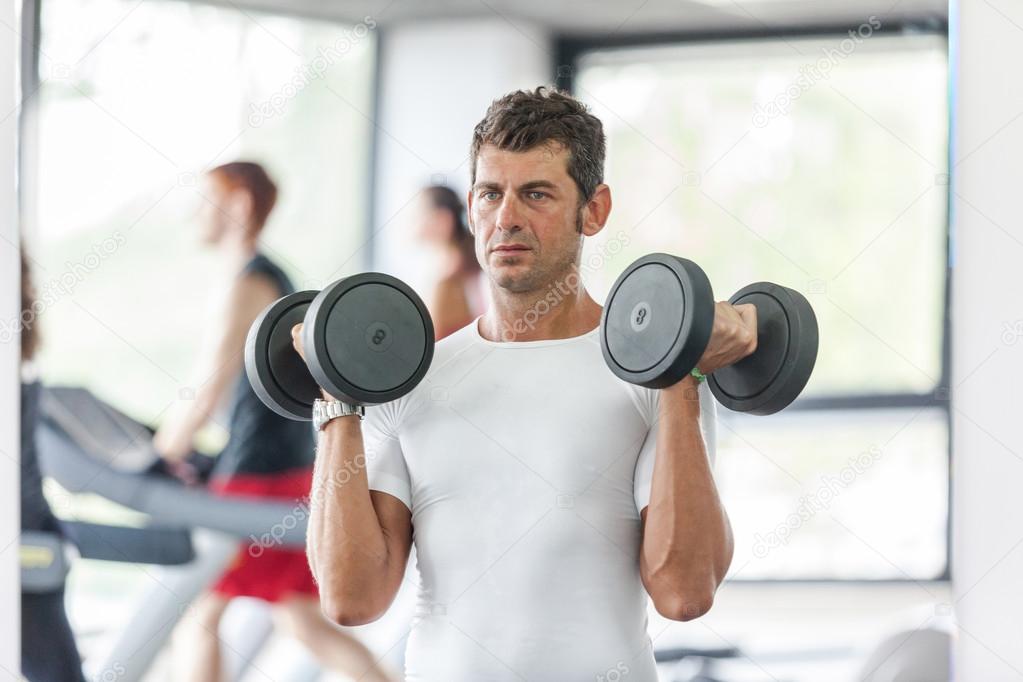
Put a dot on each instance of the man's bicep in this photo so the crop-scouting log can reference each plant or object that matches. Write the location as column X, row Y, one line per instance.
column 644, row 474
column 396, row 527
column 395, row 522
column 645, row 462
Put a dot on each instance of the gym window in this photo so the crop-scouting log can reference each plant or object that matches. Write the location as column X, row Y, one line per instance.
column 161, row 91
column 819, row 163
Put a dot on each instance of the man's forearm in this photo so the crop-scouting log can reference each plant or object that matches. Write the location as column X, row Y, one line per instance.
column 687, row 541
column 348, row 552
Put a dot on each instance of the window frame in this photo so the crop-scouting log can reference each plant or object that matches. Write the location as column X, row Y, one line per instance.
column 569, row 51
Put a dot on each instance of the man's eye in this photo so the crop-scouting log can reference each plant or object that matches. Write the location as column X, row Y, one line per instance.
column 536, row 196
column 490, row 196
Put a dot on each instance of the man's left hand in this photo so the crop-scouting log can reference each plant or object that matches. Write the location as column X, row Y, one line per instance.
column 734, row 336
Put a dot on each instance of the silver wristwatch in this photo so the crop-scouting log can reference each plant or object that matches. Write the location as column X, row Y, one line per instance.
column 326, row 410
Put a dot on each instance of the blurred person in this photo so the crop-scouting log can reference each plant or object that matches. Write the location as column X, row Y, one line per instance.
column 266, row 455
column 456, row 295
column 48, row 651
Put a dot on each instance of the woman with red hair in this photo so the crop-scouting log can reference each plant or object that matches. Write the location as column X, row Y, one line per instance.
column 266, row 455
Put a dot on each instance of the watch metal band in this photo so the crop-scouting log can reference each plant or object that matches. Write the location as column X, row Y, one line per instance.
column 326, row 410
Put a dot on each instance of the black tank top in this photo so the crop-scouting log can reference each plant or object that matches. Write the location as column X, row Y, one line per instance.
column 260, row 440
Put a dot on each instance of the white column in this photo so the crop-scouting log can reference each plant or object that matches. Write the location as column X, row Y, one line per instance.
column 437, row 79
column 10, row 648
column 987, row 338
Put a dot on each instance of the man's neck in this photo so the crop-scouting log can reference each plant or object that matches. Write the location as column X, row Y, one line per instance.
column 551, row 313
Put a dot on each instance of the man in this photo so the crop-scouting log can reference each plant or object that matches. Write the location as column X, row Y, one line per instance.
column 545, row 493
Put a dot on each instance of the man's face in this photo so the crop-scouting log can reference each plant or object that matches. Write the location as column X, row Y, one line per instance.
column 525, row 200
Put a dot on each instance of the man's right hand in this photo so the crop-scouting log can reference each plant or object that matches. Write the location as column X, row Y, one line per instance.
column 296, row 341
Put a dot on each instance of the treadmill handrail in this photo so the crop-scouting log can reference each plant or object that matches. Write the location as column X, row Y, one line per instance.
column 264, row 523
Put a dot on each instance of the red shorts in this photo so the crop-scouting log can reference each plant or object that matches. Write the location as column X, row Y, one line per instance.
column 271, row 573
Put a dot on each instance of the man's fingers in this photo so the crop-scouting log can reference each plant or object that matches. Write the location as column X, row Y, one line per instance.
column 296, row 338
column 748, row 313
column 724, row 311
column 744, row 314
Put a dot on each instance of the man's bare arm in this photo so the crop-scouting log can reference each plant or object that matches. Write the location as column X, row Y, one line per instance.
column 358, row 542
column 687, row 540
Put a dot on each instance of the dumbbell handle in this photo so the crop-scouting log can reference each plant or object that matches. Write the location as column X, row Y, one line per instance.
column 770, row 378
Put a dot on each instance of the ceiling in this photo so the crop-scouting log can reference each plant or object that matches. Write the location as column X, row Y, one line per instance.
column 618, row 17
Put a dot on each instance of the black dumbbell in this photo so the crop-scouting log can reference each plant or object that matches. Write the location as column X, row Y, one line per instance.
column 659, row 317
column 368, row 339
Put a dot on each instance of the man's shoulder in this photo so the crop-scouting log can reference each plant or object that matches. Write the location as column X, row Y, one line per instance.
column 454, row 344
column 446, row 355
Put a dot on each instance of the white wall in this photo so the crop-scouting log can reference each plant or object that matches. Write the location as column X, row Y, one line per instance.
column 9, row 350
column 987, row 361
column 437, row 79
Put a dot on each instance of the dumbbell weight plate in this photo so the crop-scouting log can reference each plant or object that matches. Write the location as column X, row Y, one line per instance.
column 368, row 338
column 787, row 338
column 275, row 369
column 657, row 320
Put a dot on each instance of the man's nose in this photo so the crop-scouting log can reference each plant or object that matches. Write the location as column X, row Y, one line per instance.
column 509, row 214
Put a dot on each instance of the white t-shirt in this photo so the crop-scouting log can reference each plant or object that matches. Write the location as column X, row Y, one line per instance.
column 525, row 466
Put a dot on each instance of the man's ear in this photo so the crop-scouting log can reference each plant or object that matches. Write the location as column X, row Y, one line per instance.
column 597, row 210
column 468, row 213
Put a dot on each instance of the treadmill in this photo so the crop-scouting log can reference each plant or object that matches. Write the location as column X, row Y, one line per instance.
column 89, row 446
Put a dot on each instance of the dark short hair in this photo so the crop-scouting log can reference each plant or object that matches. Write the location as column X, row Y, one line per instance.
column 253, row 179
column 525, row 119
